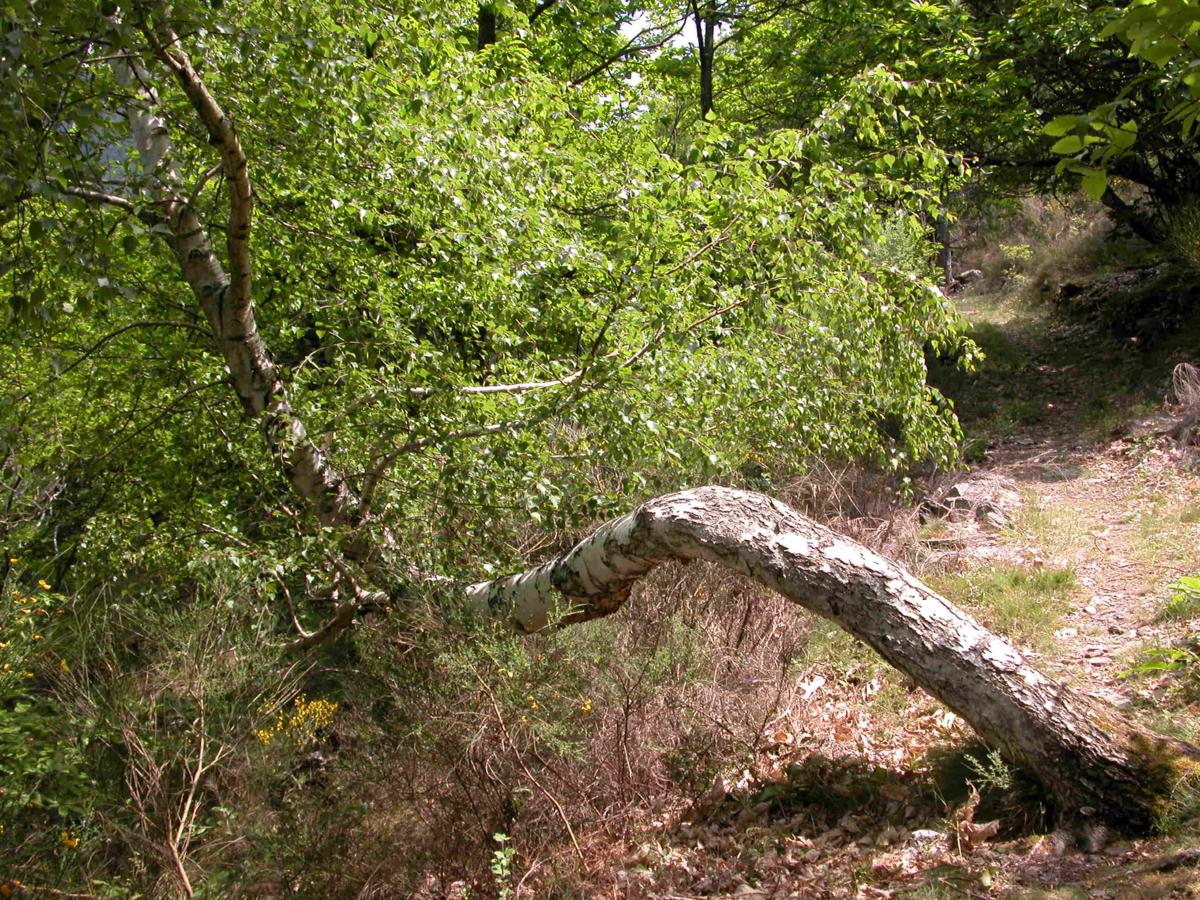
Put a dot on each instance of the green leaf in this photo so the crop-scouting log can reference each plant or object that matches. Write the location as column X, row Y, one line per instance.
column 1072, row 143
column 1095, row 181
column 1061, row 125
column 1123, row 139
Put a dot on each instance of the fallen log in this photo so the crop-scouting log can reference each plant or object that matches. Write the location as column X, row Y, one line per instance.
column 1101, row 769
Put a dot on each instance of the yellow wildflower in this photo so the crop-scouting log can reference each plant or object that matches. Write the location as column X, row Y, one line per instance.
column 68, row 839
column 307, row 717
column 42, row 584
column 585, row 707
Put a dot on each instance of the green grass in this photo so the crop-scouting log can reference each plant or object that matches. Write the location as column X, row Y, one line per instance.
column 1054, row 531
column 1020, row 411
column 1181, row 818
column 1163, row 538
column 890, row 703
column 1190, row 514
column 1102, row 412
column 830, row 645
column 1007, row 393
column 1183, row 810
column 999, row 350
column 1174, row 722
column 1099, row 417
column 1022, row 605
column 998, row 308
column 980, row 394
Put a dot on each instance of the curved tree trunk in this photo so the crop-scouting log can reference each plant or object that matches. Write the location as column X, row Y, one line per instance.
column 1101, row 768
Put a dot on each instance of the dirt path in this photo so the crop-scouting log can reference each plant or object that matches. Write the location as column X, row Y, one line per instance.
column 1124, row 517
column 1106, row 498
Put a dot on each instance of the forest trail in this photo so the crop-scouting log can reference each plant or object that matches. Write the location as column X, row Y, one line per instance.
column 1072, row 421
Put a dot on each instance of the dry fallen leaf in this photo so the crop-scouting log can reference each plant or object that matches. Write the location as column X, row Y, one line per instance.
column 966, row 832
column 973, row 835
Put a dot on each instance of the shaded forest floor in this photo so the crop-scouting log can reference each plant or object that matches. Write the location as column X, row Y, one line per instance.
column 866, row 787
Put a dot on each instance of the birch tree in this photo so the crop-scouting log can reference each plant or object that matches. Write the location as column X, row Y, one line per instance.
column 441, row 286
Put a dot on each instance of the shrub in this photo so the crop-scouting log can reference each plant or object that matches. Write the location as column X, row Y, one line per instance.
column 1184, row 602
column 903, row 244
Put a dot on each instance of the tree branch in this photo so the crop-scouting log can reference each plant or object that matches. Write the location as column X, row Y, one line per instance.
column 632, row 48
column 225, row 299
column 543, row 7
column 96, row 347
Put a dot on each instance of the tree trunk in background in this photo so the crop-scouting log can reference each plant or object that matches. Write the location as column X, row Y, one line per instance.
column 1100, row 768
column 706, row 32
column 486, row 27
column 1129, row 215
column 945, row 256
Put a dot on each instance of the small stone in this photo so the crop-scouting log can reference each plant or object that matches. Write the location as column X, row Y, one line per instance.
column 987, row 499
column 926, row 835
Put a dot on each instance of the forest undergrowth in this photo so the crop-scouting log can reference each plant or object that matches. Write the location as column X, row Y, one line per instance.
column 719, row 742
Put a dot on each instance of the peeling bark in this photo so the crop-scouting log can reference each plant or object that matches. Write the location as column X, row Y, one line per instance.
column 226, row 299
column 1100, row 767
column 254, row 375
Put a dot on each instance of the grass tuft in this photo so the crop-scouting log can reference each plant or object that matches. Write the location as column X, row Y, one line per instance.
column 1024, row 606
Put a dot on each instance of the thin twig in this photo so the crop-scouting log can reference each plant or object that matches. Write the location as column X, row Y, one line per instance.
column 562, row 814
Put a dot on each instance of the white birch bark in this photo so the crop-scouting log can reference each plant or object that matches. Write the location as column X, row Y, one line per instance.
column 225, row 297
column 1099, row 766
